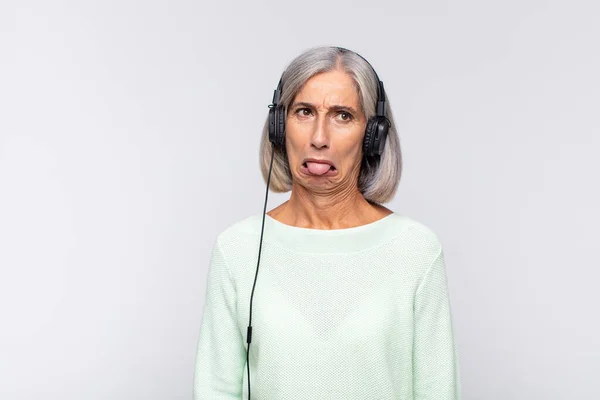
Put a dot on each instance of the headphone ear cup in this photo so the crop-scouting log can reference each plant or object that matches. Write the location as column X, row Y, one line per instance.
column 375, row 136
column 277, row 126
column 272, row 128
column 281, row 129
column 368, row 140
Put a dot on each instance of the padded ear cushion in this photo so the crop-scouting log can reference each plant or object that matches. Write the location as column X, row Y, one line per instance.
column 281, row 130
column 272, row 128
column 375, row 136
column 368, row 140
column 277, row 126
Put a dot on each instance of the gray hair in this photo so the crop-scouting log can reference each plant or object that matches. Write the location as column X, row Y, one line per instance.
column 377, row 181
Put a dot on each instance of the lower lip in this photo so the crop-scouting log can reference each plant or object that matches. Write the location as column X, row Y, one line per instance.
column 306, row 171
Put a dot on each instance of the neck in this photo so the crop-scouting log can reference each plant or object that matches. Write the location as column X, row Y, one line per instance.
column 344, row 209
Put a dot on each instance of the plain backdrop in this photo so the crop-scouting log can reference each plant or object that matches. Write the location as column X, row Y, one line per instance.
column 129, row 136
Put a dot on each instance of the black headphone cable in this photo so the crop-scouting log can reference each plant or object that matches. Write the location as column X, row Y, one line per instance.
column 249, row 331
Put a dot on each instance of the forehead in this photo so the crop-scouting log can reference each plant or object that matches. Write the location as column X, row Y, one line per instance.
column 335, row 86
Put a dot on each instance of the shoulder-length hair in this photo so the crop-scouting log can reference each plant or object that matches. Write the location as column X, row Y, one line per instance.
column 379, row 178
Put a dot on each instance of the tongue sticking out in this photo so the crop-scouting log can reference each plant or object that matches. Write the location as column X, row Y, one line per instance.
column 317, row 168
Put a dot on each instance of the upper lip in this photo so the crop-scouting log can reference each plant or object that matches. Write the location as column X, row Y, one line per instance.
column 318, row 160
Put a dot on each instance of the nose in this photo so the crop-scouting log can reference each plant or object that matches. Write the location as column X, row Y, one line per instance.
column 320, row 136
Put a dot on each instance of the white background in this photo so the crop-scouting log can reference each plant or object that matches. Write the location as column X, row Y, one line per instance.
column 129, row 139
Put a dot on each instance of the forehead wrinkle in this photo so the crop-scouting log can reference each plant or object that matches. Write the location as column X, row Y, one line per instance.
column 336, row 107
column 335, row 92
column 330, row 100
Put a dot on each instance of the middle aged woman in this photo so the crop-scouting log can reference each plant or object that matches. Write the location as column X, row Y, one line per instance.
column 351, row 300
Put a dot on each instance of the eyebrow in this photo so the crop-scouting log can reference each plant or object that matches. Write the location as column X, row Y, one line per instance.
column 336, row 107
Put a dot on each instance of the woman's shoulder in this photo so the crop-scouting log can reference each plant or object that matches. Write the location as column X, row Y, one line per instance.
column 238, row 239
column 418, row 228
column 422, row 237
column 240, row 227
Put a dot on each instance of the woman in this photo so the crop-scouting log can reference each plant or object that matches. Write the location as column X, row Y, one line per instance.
column 351, row 300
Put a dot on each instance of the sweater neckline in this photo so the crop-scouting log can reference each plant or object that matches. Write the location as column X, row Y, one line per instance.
column 311, row 240
column 333, row 231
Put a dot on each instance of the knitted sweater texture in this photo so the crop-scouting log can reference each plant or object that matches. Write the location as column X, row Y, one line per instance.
column 361, row 313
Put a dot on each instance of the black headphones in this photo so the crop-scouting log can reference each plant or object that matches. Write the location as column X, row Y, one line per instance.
column 375, row 133
column 373, row 144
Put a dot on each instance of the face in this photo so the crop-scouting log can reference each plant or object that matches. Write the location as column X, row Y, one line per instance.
column 325, row 122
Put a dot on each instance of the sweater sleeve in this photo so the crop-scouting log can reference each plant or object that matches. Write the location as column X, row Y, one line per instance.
column 221, row 355
column 436, row 370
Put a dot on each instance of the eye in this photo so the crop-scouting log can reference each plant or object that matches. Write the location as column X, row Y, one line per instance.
column 303, row 112
column 346, row 116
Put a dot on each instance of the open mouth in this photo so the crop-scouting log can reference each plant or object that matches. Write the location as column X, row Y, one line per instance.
column 318, row 169
column 331, row 167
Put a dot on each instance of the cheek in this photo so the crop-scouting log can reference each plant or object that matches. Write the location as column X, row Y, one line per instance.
column 297, row 133
column 352, row 142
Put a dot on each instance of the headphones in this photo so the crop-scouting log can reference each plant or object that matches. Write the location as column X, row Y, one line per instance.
column 375, row 133
column 373, row 145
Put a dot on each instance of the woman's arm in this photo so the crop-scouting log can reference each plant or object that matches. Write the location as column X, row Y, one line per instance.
column 221, row 355
column 435, row 358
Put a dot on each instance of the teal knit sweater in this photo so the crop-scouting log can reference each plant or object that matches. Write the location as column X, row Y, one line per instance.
column 361, row 313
